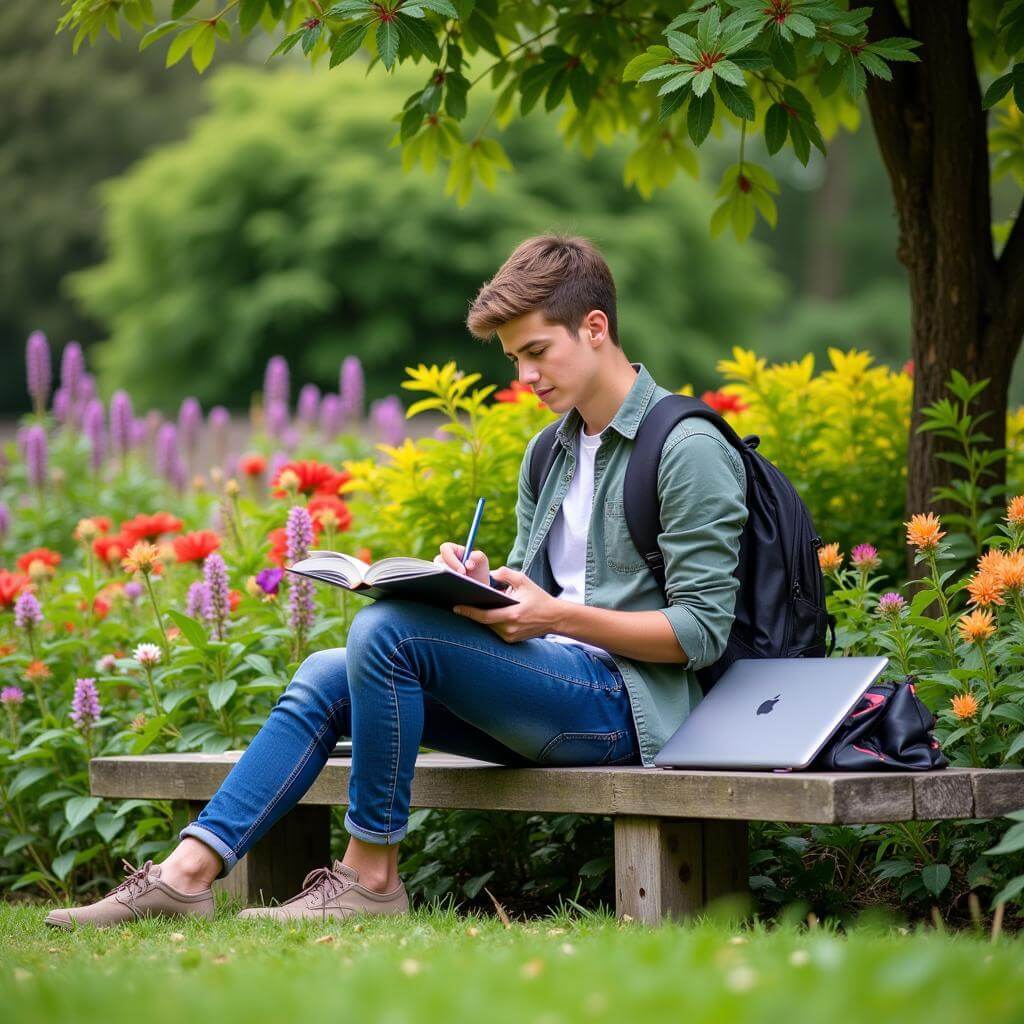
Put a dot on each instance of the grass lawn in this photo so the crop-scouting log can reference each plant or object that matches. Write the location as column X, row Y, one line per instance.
column 440, row 966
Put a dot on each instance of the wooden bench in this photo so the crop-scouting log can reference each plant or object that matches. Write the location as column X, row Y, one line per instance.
column 680, row 836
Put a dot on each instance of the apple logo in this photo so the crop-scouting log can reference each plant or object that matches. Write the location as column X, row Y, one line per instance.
column 768, row 705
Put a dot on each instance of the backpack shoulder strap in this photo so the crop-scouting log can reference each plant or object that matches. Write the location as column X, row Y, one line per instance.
column 543, row 455
column 640, row 497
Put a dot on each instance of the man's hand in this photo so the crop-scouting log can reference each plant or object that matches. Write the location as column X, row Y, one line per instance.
column 536, row 614
column 477, row 566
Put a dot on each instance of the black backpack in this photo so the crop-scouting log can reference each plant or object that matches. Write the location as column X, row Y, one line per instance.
column 780, row 603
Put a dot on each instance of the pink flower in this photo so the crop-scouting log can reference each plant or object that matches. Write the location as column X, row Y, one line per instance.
column 891, row 605
column 865, row 557
column 11, row 695
column 85, row 706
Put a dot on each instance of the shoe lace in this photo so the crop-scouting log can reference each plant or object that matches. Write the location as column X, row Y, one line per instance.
column 326, row 882
column 136, row 882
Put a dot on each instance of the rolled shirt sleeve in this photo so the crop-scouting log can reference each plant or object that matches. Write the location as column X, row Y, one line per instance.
column 703, row 510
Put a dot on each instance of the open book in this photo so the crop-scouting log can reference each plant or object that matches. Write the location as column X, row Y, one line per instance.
column 413, row 579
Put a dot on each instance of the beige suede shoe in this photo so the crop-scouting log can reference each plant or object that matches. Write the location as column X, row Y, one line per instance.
column 141, row 894
column 334, row 894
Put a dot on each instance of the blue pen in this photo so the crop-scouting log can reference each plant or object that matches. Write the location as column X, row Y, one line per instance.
column 477, row 515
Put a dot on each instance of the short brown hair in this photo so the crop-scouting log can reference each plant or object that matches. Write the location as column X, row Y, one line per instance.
column 563, row 276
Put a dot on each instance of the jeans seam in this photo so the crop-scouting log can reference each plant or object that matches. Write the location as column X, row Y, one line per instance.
column 294, row 774
column 610, row 737
column 511, row 661
column 396, row 748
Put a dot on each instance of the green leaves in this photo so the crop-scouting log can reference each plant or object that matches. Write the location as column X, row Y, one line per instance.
column 1013, row 79
column 347, row 42
column 387, row 42
column 746, row 191
column 700, row 117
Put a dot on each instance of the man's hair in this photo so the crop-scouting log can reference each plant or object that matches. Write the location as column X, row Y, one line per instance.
column 563, row 276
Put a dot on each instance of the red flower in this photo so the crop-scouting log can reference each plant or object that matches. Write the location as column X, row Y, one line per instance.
column 316, row 507
column 278, row 546
column 144, row 527
column 111, row 548
column 49, row 558
column 365, row 555
column 11, row 585
column 194, row 547
column 512, row 392
column 908, row 367
column 722, row 402
column 234, row 596
column 314, row 478
column 252, row 464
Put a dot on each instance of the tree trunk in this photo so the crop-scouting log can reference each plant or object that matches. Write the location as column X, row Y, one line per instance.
column 967, row 304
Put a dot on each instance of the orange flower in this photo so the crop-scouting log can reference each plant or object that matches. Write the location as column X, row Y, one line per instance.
column 1011, row 572
column 11, row 585
column 923, row 531
column 194, row 547
column 992, row 561
column 965, row 705
column 317, row 507
column 1015, row 511
column 513, row 392
column 830, row 558
column 278, row 546
column 365, row 554
column 36, row 671
column 91, row 527
column 142, row 557
column 50, row 559
column 6, row 649
column 314, row 478
column 144, row 527
column 976, row 626
column 985, row 588
column 252, row 464
column 234, row 597
column 722, row 401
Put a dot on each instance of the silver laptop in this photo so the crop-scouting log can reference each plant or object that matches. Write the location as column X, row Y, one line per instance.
column 770, row 713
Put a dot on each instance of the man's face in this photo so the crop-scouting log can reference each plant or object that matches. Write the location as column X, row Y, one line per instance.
column 548, row 358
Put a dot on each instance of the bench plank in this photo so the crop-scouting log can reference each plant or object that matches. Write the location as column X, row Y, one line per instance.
column 448, row 781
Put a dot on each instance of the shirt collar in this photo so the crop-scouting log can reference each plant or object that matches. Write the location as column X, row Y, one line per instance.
column 629, row 416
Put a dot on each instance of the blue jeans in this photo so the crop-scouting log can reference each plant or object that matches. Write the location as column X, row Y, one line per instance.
column 415, row 675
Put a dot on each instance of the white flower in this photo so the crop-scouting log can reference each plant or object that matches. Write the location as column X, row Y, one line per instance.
column 147, row 654
column 107, row 664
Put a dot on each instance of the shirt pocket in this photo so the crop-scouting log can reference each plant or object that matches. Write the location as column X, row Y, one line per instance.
column 620, row 551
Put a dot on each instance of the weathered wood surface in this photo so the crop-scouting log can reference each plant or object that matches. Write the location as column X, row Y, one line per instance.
column 673, row 869
column 447, row 781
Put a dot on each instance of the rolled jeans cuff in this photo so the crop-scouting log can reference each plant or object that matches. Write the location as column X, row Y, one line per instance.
column 377, row 838
column 211, row 839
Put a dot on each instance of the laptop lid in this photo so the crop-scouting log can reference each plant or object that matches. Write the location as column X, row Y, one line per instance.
column 769, row 713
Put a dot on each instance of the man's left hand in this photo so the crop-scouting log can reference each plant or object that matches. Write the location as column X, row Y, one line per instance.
column 536, row 614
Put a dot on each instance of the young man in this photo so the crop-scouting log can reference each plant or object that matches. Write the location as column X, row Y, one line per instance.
column 594, row 665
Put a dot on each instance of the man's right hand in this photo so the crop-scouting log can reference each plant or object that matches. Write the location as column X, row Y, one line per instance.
column 477, row 566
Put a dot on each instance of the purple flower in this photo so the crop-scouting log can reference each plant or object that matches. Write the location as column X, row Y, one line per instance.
column 35, row 448
column 61, row 406
column 195, row 607
column 138, row 432
column 219, row 418
column 85, row 706
column 308, row 404
column 388, row 420
column 276, row 417
column 27, row 613
column 122, row 421
column 133, row 591
column 269, row 580
column 190, row 422
column 351, row 388
column 94, row 427
column 275, row 381
column 298, row 533
column 166, row 451
column 290, row 439
column 11, row 695
column 38, row 367
column 72, row 367
column 88, row 389
column 218, row 599
column 891, row 605
column 277, row 460
column 330, row 417
column 5, row 519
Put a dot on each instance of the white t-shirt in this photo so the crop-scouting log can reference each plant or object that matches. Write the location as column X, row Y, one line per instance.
column 567, row 543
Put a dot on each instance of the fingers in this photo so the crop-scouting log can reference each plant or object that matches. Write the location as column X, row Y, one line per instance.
column 451, row 555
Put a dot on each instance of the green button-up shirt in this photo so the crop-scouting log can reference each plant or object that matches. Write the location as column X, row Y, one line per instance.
column 701, row 489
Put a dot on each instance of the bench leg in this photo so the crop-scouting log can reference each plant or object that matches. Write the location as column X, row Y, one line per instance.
column 275, row 867
column 667, row 868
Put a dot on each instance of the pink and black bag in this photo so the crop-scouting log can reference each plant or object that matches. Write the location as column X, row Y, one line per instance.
column 889, row 728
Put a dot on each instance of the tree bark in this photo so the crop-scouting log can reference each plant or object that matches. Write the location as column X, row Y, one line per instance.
column 967, row 304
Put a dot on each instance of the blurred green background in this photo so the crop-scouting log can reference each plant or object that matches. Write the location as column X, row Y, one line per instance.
column 185, row 229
